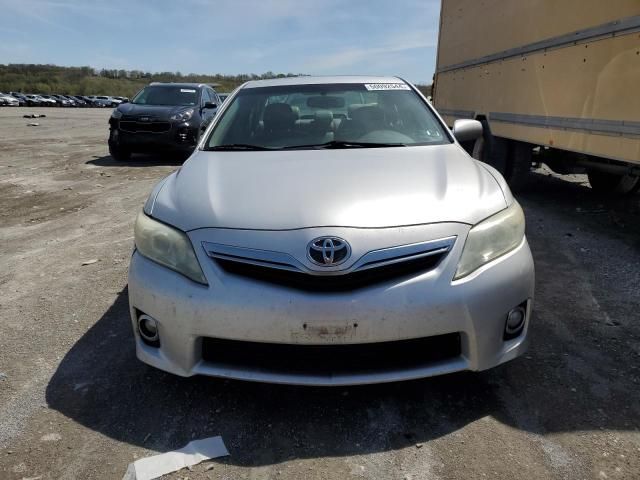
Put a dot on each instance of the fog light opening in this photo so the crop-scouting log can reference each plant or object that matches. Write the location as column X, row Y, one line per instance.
column 515, row 321
column 148, row 329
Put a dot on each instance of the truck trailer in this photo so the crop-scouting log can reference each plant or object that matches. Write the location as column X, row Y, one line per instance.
column 553, row 82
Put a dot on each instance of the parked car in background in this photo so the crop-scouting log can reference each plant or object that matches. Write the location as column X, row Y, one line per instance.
column 38, row 101
column 77, row 101
column 330, row 231
column 101, row 101
column 122, row 99
column 107, row 101
column 64, row 101
column 21, row 99
column 50, row 100
column 8, row 100
column 88, row 101
column 162, row 116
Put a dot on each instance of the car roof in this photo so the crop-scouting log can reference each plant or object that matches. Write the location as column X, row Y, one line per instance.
column 320, row 80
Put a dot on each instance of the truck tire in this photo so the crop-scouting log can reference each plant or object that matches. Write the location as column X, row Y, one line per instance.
column 512, row 159
column 518, row 172
column 491, row 150
column 613, row 184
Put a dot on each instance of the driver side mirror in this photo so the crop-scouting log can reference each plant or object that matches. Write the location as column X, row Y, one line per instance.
column 210, row 105
column 466, row 130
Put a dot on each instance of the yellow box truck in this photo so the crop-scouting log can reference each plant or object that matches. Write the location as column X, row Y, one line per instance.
column 552, row 81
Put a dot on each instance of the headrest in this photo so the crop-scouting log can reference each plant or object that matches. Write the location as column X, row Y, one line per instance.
column 325, row 101
column 353, row 107
column 368, row 115
column 322, row 119
column 278, row 116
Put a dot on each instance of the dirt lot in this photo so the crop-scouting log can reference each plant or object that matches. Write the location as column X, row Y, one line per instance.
column 75, row 403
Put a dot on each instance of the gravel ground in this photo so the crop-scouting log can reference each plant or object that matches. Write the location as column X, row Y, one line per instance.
column 75, row 403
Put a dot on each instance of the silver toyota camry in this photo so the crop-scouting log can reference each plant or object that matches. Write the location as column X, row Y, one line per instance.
column 330, row 231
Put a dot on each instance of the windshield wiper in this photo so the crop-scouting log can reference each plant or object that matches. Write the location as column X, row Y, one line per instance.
column 238, row 146
column 345, row 144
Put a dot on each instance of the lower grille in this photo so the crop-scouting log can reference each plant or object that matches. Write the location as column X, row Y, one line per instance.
column 319, row 359
column 148, row 127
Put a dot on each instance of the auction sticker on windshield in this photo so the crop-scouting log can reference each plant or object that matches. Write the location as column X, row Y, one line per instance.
column 386, row 86
column 187, row 90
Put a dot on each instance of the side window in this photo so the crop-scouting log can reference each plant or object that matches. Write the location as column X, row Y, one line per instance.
column 215, row 98
column 205, row 96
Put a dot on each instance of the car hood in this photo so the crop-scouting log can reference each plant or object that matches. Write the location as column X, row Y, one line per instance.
column 155, row 111
column 366, row 188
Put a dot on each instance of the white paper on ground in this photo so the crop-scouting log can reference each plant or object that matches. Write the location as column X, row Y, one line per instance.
column 193, row 453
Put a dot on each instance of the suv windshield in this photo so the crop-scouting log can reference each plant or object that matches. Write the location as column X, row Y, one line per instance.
column 166, row 95
column 326, row 116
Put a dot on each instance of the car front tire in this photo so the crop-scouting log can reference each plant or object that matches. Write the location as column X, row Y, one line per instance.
column 117, row 151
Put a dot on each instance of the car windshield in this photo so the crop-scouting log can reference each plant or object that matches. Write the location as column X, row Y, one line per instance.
column 166, row 95
column 348, row 115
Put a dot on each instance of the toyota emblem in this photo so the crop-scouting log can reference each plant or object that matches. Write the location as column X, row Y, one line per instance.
column 328, row 251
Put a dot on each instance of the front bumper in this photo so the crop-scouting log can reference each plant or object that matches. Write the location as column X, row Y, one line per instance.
column 421, row 306
column 181, row 136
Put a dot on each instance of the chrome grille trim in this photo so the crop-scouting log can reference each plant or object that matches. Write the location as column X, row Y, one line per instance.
column 373, row 259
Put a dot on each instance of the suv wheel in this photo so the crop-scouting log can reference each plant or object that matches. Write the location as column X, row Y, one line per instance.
column 117, row 151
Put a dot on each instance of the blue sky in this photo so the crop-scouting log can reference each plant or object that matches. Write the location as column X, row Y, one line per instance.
column 242, row 36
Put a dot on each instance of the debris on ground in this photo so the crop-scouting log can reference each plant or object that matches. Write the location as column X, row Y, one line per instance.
column 33, row 124
column 90, row 262
column 193, row 453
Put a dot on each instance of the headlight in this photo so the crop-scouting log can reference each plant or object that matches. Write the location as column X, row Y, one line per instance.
column 491, row 238
column 116, row 114
column 167, row 246
column 183, row 116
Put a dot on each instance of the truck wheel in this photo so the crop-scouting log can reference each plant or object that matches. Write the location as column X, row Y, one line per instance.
column 518, row 171
column 611, row 183
column 491, row 150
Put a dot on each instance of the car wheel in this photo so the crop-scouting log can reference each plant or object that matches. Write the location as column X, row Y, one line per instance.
column 612, row 183
column 117, row 151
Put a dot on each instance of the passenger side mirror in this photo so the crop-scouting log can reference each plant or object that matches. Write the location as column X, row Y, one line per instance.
column 466, row 130
column 125, row 101
column 210, row 105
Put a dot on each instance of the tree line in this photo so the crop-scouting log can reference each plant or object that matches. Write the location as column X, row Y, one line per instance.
column 47, row 79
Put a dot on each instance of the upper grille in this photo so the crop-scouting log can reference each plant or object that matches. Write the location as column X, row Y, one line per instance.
column 373, row 268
